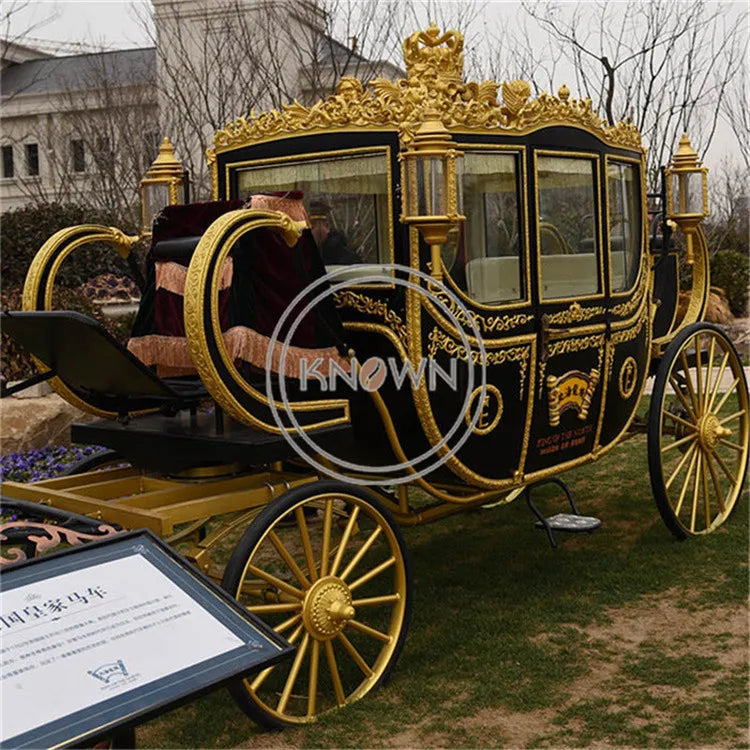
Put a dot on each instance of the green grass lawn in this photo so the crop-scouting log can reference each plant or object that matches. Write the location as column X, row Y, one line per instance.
column 626, row 637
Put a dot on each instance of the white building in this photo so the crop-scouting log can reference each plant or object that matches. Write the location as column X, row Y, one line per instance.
column 84, row 127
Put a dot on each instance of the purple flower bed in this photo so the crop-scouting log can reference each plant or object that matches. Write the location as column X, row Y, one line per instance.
column 45, row 463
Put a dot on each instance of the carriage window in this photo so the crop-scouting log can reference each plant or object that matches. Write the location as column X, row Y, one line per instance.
column 347, row 199
column 483, row 256
column 567, row 226
column 623, row 192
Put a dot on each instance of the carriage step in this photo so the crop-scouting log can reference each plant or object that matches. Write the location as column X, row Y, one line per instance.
column 571, row 523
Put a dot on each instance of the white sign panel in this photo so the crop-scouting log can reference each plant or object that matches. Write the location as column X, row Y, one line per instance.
column 75, row 640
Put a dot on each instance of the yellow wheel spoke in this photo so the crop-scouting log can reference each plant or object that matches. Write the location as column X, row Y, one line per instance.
column 682, row 421
column 274, row 581
column 677, row 443
column 374, row 572
column 732, row 445
column 717, row 484
column 293, row 672
column 361, row 552
column 372, row 632
column 261, row 676
column 724, row 467
column 683, row 461
column 288, row 559
column 356, row 656
column 696, row 489
column 727, row 395
column 288, row 624
column 698, row 373
column 689, row 383
column 706, row 502
column 299, row 514
column 732, row 417
column 374, row 600
column 717, row 383
column 326, row 550
column 267, row 609
column 681, row 396
column 312, row 690
column 685, row 484
column 345, row 540
column 711, row 355
column 335, row 677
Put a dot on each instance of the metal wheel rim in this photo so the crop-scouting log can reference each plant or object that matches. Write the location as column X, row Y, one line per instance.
column 325, row 653
column 703, row 468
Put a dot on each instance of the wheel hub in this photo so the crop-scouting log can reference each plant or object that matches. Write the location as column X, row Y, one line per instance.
column 327, row 608
column 710, row 432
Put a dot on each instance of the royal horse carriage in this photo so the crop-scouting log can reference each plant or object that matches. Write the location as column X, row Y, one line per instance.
column 406, row 300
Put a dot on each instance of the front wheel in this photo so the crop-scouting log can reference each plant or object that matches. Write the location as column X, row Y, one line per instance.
column 698, row 431
column 325, row 566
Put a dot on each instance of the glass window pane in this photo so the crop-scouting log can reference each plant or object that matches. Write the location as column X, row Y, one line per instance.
column 346, row 198
column 625, row 231
column 567, row 226
column 8, row 170
column 32, row 159
column 483, row 255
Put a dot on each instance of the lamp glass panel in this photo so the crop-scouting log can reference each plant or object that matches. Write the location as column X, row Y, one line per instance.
column 459, row 185
column 155, row 197
column 436, row 199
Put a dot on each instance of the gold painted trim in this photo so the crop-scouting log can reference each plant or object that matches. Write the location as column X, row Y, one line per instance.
column 596, row 159
column 195, row 324
column 487, row 429
column 43, row 262
column 626, row 391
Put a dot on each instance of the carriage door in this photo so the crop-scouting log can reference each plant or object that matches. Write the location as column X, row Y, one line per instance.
column 569, row 290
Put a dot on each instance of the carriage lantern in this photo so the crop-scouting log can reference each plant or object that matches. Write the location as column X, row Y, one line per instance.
column 162, row 185
column 687, row 191
column 432, row 197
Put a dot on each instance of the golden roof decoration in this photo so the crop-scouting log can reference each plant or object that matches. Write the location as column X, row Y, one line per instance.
column 434, row 65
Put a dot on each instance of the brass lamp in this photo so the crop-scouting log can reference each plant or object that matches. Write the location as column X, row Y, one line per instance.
column 687, row 192
column 162, row 185
column 432, row 195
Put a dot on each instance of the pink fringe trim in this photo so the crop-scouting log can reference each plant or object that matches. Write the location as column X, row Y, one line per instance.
column 294, row 208
column 172, row 276
column 171, row 356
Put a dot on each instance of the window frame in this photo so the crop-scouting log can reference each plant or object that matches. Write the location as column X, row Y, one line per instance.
column 384, row 150
column 644, row 212
column 7, row 148
column 520, row 152
column 596, row 159
column 73, row 142
column 29, row 149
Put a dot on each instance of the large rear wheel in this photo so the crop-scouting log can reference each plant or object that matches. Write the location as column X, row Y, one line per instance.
column 325, row 566
column 698, row 431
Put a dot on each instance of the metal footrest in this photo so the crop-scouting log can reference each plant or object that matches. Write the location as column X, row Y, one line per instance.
column 571, row 523
column 568, row 522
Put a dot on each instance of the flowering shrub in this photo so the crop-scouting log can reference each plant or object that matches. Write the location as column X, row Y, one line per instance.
column 45, row 463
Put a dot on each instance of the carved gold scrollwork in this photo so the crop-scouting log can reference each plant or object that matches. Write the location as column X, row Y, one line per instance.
column 485, row 323
column 575, row 314
column 434, row 65
column 363, row 303
column 438, row 340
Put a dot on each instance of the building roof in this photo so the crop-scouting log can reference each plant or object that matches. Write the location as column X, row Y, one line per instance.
column 79, row 72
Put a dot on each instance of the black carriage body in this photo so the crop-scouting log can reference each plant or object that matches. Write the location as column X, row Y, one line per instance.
column 595, row 346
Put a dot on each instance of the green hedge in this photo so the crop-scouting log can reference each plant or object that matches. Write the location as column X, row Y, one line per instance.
column 729, row 271
column 24, row 230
